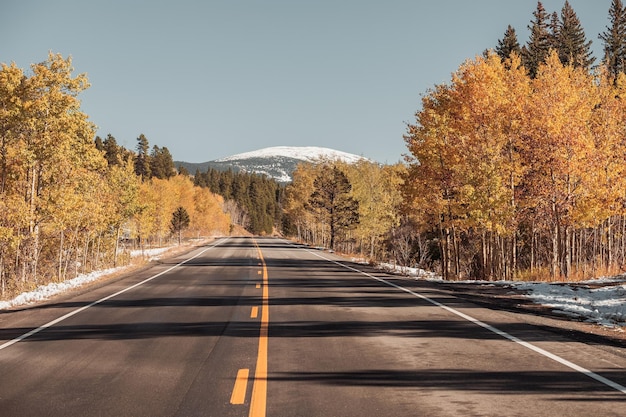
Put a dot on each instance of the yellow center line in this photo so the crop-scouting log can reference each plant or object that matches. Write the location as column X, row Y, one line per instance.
column 254, row 313
column 259, row 389
column 258, row 286
column 241, row 383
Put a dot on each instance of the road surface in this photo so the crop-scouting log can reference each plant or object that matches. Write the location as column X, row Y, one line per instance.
column 262, row 326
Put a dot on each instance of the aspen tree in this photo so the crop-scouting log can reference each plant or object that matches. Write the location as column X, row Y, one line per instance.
column 558, row 150
column 296, row 201
column 57, row 137
column 432, row 183
column 377, row 192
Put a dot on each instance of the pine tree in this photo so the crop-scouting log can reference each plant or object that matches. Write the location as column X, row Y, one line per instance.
column 508, row 44
column 554, row 28
column 571, row 43
column 183, row 171
column 142, row 159
column 614, row 39
column 180, row 221
column 98, row 143
column 161, row 163
column 111, row 151
column 331, row 197
column 536, row 50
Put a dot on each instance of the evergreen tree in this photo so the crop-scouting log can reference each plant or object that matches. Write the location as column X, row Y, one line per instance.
column 536, row 50
column 253, row 200
column 226, row 184
column 183, row 171
column 161, row 163
column 508, row 44
column 200, row 179
column 98, row 143
column 331, row 197
column 554, row 29
column 112, row 151
column 614, row 39
column 571, row 43
column 142, row 159
column 213, row 180
column 180, row 221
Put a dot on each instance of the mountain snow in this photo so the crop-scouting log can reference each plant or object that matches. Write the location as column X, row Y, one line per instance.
column 302, row 153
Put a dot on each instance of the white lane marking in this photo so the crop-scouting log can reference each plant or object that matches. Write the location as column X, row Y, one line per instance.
column 108, row 297
column 499, row 332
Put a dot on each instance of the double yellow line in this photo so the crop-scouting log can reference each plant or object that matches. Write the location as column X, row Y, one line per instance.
column 258, row 404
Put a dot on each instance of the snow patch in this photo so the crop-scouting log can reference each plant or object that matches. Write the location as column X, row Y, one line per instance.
column 45, row 292
column 605, row 305
column 601, row 301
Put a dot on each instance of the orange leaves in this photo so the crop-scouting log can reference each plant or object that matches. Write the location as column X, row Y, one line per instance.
column 463, row 143
column 159, row 198
column 493, row 130
column 61, row 207
column 498, row 152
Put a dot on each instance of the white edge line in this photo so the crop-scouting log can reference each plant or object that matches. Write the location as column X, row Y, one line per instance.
column 499, row 332
column 108, row 297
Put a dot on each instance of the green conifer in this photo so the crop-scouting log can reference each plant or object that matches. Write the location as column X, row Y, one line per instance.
column 508, row 44
column 571, row 43
column 538, row 47
column 614, row 39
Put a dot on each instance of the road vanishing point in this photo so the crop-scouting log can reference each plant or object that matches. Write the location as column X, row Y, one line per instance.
column 266, row 327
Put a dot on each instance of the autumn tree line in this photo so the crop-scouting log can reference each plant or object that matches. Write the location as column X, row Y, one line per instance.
column 515, row 168
column 518, row 163
column 67, row 202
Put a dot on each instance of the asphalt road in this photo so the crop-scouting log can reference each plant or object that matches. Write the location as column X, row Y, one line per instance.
column 254, row 327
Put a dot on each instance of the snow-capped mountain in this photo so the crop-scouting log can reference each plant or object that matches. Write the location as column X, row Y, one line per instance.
column 301, row 153
column 277, row 162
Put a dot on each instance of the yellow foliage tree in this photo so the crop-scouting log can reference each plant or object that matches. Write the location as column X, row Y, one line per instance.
column 377, row 191
column 558, row 150
column 522, row 165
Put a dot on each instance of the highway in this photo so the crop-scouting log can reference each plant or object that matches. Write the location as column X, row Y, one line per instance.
column 263, row 326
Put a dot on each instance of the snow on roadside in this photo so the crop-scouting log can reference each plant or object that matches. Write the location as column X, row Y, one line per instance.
column 605, row 305
column 601, row 301
column 44, row 292
column 150, row 254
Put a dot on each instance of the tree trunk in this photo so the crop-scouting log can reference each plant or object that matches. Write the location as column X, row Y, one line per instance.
column 60, row 269
column 443, row 248
column 483, row 257
column 555, row 252
column 2, row 276
column 568, row 252
column 609, row 240
column 117, row 240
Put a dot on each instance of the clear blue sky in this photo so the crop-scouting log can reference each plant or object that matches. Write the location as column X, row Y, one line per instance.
column 212, row 78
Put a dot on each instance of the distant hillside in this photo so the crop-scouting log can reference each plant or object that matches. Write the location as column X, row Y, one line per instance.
column 277, row 162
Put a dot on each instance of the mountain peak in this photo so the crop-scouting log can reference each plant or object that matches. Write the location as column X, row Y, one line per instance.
column 302, row 153
column 277, row 162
